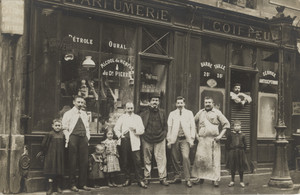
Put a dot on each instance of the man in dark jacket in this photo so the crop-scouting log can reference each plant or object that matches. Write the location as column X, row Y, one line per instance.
column 154, row 138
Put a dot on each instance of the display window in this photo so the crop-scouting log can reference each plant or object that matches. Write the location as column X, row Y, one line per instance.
column 78, row 54
column 153, row 82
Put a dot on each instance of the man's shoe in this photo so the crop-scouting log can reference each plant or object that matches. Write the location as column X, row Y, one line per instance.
column 201, row 181
column 59, row 190
column 146, row 181
column 127, row 183
column 177, row 180
column 86, row 188
column 142, row 184
column 189, row 184
column 216, row 183
column 242, row 184
column 231, row 184
column 164, row 182
column 74, row 189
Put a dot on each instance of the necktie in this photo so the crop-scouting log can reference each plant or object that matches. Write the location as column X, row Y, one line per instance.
column 180, row 112
column 79, row 113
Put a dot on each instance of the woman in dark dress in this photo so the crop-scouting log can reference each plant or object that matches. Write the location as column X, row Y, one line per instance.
column 236, row 146
column 53, row 149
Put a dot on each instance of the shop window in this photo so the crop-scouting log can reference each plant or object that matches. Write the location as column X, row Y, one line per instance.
column 155, row 41
column 42, row 97
column 243, row 3
column 243, row 55
column 153, row 81
column 81, row 55
column 212, row 66
column 268, row 71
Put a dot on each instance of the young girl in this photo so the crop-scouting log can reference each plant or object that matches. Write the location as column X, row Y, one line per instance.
column 97, row 165
column 53, row 149
column 236, row 145
column 112, row 158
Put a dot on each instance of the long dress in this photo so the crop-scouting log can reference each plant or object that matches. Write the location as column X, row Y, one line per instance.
column 111, row 155
column 53, row 148
column 236, row 146
column 207, row 163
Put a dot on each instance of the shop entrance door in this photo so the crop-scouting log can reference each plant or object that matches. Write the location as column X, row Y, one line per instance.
column 241, row 104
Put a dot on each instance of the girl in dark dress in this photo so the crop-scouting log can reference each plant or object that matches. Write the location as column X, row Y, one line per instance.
column 53, row 149
column 236, row 146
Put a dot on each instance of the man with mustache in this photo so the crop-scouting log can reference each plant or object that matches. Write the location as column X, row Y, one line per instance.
column 77, row 133
column 154, row 139
column 238, row 97
column 180, row 137
column 207, row 163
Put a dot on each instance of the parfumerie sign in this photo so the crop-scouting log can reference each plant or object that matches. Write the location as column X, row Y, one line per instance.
column 12, row 19
column 121, row 6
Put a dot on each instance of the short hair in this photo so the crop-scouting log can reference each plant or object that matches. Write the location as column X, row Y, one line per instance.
column 237, row 84
column 180, row 98
column 237, row 122
column 78, row 96
column 100, row 146
column 128, row 104
column 208, row 98
column 56, row 120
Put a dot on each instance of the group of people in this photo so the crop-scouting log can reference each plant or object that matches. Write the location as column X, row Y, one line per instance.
column 152, row 132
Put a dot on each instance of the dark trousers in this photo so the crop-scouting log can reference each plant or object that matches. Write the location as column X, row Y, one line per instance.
column 126, row 154
column 78, row 151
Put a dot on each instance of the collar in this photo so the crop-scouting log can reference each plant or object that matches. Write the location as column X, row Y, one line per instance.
column 233, row 131
column 208, row 109
column 153, row 109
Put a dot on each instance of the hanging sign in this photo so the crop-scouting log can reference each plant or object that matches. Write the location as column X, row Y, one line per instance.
column 12, row 20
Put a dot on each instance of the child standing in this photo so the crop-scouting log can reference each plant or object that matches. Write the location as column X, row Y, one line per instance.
column 236, row 146
column 53, row 149
column 112, row 155
column 97, row 165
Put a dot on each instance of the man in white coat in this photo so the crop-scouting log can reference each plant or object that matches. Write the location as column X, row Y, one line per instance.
column 180, row 138
column 128, row 128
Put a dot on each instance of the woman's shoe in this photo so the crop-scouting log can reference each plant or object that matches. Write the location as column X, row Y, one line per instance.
column 231, row 184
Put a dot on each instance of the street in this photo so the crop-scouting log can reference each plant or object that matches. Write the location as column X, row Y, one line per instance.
column 255, row 184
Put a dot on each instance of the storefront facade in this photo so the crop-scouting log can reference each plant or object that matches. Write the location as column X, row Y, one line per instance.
column 115, row 51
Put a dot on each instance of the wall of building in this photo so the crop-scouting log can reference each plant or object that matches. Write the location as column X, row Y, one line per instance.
column 264, row 8
column 12, row 60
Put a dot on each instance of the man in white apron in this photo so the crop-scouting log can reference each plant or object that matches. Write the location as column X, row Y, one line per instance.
column 207, row 163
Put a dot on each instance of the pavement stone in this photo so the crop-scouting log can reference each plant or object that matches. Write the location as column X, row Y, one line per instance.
column 255, row 184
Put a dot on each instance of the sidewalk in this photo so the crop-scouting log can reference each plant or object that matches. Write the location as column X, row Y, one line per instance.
column 255, row 184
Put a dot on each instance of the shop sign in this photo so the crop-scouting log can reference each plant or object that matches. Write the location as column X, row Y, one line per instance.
column 269, row 77
column 121, row 6
column 115, row 67
column 296, row 109
column 81, row 40
column 12, row 16
column 236, row 29
column 116, row 45
column 212, row 75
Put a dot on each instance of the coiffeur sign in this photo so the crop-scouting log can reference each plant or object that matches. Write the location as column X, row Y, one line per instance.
column 12, row 16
